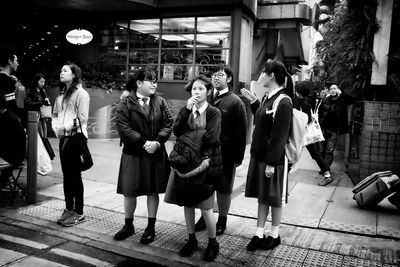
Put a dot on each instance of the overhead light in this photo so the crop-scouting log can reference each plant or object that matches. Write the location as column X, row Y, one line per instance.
column 48, row 32
column 42, row 38
column 55, row 26
column 56, row 46
column 24, row 27
column 116, row 47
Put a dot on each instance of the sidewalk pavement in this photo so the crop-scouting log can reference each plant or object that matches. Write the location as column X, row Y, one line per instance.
column 321, row 226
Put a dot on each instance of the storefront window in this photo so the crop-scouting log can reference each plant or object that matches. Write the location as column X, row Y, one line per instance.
column 174, row 47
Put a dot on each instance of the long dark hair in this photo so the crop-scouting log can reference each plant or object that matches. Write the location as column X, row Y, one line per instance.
column 32, row 89
column 281, row 74
column 75, row 81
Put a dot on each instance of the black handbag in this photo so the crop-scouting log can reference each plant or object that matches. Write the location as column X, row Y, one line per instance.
column 79, row 141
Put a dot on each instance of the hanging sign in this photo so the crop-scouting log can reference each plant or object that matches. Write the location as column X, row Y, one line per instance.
column 79, row 36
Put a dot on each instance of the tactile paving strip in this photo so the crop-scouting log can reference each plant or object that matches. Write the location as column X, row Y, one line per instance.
column 289, row 253
column 244, row 258
column 42, row 212
column 317, row 258
column 357, row 262
column 277, row 262
column 301, row 221
column 346, row 227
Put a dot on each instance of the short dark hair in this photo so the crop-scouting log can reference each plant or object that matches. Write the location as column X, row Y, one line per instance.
column 201, row 77
column 5, row 55
column 225, row 68
column 140, row 75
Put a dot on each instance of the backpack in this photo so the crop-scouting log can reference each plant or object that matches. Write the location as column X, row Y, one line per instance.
column 297, row 131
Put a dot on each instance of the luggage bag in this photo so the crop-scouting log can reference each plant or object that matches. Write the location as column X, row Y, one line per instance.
column 374, row 188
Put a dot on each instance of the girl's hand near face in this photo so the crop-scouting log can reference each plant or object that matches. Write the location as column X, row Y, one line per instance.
column 191, row 102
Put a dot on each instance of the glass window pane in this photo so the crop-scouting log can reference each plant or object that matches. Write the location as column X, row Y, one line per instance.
column 178, row 25
column 140, row 40
column 145, row 25
column 214, row 40
column 143, row 56
column 214, row 24
column 112, row 72
column 177, row 40
column 133, row 68
column 176, row 72
column 213, row 57
column 184, row 56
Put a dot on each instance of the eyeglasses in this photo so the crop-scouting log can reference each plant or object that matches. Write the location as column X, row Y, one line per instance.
column 152, row 82
column 218, row 75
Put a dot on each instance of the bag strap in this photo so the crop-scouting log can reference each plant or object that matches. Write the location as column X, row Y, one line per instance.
column 317, row 107
column 276, row 103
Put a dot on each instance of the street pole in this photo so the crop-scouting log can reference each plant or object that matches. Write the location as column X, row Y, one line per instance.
column 33, row 118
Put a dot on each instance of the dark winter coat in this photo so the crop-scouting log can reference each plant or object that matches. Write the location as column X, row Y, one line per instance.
column 189, row 191
column 135, row 128
column 333, row 114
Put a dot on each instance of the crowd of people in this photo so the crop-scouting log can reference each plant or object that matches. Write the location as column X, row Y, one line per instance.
column 210, row 145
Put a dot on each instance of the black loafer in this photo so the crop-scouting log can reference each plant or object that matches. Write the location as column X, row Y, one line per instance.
column 200, row 225
column 211, row 251
column 257, row 243
column 271, row 242
column 148, row 236
column 188, row 249
column 125, row 232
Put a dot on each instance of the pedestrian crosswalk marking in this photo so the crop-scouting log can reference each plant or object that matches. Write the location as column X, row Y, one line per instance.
column 8, row 256
column 80, row 257
column 35, row 261
column 23, row 241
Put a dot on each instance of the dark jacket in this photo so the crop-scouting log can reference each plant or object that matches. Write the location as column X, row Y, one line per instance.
column 12, row 138
column 271, row 134
column 210, row 142
column 186, row 154
column 233, row 126
column 190, row 191
column 34, row 99
column 135, row 128
column 333, row 114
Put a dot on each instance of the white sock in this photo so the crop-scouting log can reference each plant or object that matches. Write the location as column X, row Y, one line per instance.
column 267, row 232
column 274, row 231
column 260, row 232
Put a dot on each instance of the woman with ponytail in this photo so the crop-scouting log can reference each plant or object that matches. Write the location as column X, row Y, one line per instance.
column 268, row 168
column 70, row 115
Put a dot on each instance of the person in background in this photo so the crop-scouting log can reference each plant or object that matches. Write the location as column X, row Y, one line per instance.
column 198, row 115
column 71, row 105
column 144, row 123
column 268, row 169
column 306, row 103
column 36, row 98
column 8, row 65
column 232, row 139
column 333, row 120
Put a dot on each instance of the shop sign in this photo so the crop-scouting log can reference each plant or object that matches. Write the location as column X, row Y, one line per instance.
column 79, row 36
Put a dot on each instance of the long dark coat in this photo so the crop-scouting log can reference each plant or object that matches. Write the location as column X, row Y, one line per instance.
column 142, row 173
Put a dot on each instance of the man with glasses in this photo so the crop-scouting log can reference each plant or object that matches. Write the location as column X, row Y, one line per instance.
column 232, row 139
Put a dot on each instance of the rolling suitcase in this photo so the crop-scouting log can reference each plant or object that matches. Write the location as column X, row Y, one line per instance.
column 374, row 188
